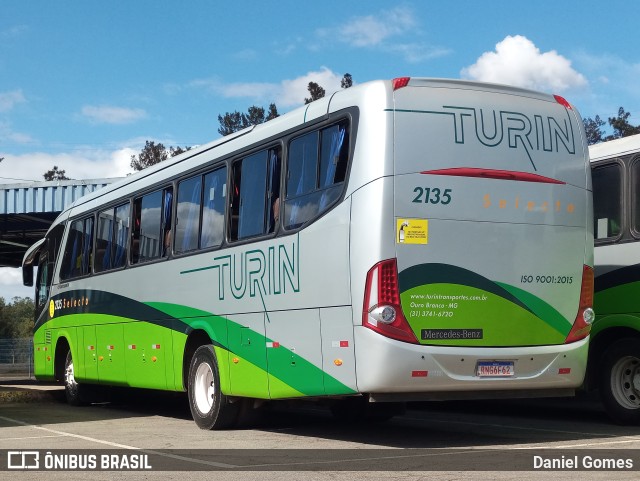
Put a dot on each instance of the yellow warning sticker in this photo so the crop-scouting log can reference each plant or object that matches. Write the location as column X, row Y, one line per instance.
column 412, row 231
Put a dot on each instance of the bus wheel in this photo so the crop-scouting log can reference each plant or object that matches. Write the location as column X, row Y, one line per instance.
column 620, row 381
column 209, row 407
column 73, row 391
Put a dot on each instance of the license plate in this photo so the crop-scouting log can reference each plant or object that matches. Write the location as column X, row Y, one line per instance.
column 495, row 369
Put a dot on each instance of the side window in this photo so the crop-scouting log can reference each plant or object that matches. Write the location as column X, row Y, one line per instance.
column 112, row 238
column 316, row 168
column 78, row 250
column 121, row 236
column 87, row 249
column 102, row 259
column 635, row 195
column 303, row 165
column 167, row 213
column 607, row 201
column 188, row 214
column 256, row 194
column 151, row 226
column 215, row 192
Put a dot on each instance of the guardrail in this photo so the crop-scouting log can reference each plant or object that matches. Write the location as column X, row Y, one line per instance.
column 16, row 359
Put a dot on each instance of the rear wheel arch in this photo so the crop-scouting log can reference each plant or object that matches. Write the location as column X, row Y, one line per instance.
column 599, row 345
column 196, row 339
column 619, row 380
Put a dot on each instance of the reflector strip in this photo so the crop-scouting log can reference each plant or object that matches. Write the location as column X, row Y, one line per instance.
column 564, row 370
column 494, row 174
column 91, row 348
column 419, row 373
column 132, row 347
column 110, row 348
column 155, row 346
column 273, row 344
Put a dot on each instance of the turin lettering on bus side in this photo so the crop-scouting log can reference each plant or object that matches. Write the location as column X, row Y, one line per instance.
column 259, row 272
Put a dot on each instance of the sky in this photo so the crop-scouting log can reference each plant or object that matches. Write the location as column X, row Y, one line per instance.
column 83, row 84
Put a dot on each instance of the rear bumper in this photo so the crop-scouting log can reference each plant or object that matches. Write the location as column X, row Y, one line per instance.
column 388, row 366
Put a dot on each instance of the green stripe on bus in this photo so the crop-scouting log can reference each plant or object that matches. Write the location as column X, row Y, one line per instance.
column 297, row 379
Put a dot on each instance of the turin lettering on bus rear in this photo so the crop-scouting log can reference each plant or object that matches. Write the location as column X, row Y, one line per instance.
column 495, row 127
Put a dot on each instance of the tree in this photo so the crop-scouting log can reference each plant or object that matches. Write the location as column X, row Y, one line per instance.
column 255, row 116
column 621, row 126
column 316, row 92
column 229, row 123
column 592, row 128
column 55, row 174
column 153, row 153
column 233, row 121
column 173, row 151
column 16, row 318
column 272, row 113
column 347, row 81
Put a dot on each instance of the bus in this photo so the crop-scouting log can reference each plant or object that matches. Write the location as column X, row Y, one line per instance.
column 614, row 358
column 399, row 240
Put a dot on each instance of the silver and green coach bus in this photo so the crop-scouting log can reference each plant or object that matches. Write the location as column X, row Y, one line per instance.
column 398, row 240
column 614, row 358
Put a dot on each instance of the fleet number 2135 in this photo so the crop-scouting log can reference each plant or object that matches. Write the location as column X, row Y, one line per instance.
column 428, row 195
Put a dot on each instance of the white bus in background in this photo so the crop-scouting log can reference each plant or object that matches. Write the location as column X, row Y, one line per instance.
column 399, row 240
column 614, row 358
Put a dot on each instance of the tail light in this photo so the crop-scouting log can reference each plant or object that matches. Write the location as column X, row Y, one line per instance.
column 382, row 311
column 562, row 101
column 582, row 325
column 400, row 82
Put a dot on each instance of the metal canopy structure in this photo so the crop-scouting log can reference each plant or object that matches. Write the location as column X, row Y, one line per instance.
column 27, row 210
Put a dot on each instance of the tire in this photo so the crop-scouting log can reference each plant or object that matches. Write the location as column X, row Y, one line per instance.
column 210, row 408
column 73, row 392
column 619, row 381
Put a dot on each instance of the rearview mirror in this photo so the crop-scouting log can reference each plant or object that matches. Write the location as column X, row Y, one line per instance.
column 27, row 275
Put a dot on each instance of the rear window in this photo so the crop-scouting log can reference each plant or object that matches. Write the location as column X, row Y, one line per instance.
column 316, row 169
